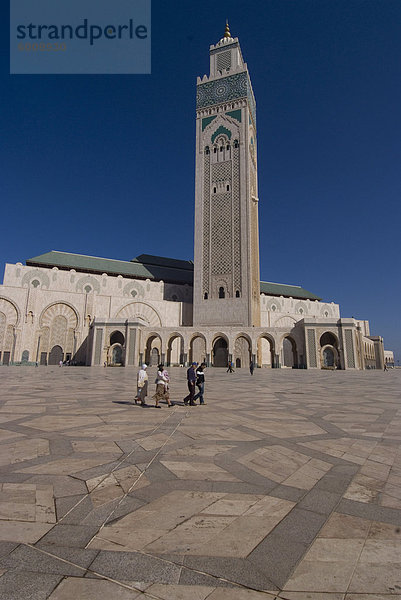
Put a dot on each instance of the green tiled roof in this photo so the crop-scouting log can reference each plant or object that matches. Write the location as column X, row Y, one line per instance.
column 161, row 261
column 170, row 272
column 280, row 289
column 146, row 266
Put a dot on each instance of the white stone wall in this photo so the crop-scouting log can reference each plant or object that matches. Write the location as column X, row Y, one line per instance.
column 43, row 307
column 285, row 312
column 36, row 293
column 389, row 357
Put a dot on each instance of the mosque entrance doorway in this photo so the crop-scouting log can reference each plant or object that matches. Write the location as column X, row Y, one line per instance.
column 154, row 357
column 117, row 355
column 56, row 354
column 328, row 357
column 220, row 353
column 289, row 353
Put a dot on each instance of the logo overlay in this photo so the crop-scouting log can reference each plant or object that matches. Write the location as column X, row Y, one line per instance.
column 80, row 37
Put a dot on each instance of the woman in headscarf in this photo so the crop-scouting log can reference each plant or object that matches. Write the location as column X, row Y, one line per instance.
column 142, row 385
column 162, row 381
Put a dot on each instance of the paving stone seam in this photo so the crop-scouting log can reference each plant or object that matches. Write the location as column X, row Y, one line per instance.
column 370, row 511
column 296, row 445
column 109, row 517
column 199, row 571
column 359, row 556
column 118, row 464
column 88, row 569
column 289, row 516
column 132, row 587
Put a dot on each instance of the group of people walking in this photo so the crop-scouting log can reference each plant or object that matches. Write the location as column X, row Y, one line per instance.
column 195, row 377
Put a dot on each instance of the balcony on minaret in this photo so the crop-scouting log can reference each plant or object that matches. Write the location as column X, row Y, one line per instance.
column 221, row 187
column 221, row 150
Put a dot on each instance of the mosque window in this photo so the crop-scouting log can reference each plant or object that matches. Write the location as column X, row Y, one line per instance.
column 301, row 311
column 215, row 149
column 227, row 147
column 237, row 294
column 87, row 289
column 228, row 188
column 134, row 293
column 35, row 283
column 205, row 296
column 236, row 144
column 274, row 307
column 222, row 293
column 221, row 148
column 207, row 150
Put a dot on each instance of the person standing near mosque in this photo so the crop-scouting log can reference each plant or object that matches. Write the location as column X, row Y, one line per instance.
column 166, row 378
column 251, row 367
column 142, row 385
column 191, row 380
column 200, row 382
column 162, row 381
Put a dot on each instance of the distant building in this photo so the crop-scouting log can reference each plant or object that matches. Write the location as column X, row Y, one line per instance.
column 389, row 358
column 91, row 311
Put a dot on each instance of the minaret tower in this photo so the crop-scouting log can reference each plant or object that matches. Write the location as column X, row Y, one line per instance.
column 226, row 276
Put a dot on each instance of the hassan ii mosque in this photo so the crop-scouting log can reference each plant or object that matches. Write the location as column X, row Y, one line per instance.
column 91, row 311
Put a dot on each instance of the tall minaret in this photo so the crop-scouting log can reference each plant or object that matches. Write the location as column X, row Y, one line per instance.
column 226, row 276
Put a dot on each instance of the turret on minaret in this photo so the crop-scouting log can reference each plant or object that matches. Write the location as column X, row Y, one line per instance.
column 226, row 284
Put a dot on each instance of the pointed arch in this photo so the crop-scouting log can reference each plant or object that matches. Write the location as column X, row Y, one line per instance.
column 10, row 310
column 266, row 350
column 289, row 353
column 142, row 311
column 197, row 347
column 153, row 348
column 175, row 349
column 242, row 350
column 59, row 309
column 286, row 321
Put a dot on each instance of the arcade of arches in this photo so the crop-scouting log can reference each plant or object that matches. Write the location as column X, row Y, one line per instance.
column 266, row 352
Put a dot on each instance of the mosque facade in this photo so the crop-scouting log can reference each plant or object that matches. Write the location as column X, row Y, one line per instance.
column 94, row 311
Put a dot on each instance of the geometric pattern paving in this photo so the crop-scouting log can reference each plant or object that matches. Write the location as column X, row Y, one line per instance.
column 285, row 485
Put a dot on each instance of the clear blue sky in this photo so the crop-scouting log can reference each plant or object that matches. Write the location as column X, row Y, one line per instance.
column 104, row 165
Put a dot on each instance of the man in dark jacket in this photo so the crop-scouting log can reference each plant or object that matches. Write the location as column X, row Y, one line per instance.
column 200, row 382
column 191, row 379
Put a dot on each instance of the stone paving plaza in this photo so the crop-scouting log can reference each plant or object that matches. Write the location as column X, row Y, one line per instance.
column 285, row 485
